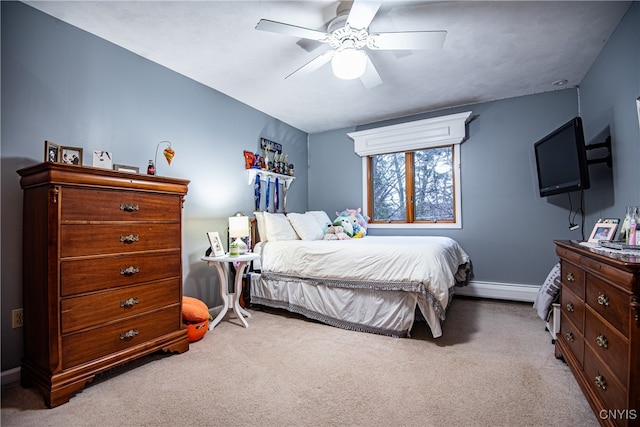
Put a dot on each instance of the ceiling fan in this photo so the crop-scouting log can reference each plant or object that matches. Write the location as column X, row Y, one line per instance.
column 348, row 36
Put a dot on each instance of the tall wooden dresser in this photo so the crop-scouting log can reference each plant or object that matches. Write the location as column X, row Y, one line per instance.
column 102, row 273
column 600, row 329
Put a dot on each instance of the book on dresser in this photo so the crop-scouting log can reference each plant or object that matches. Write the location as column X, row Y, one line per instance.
column 599, row 334
column 102, row 273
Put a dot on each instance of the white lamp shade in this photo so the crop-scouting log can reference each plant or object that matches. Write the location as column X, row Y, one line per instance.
column 349, row 63
column 238, row 226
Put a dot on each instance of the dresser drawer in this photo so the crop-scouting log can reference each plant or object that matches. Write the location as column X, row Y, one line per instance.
column 608, row 344
column 84, row 346
column 88, row 275
column 572, row 277
column 602, row 381
column 570, row 334
column 100, row 239
column 572, row 308
column 93, row 309
column 80, row 204
column 609, row 302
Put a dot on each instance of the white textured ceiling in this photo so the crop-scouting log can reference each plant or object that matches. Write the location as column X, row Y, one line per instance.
column 493, row 50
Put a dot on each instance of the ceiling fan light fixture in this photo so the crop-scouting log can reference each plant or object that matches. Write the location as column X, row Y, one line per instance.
column 349, row 63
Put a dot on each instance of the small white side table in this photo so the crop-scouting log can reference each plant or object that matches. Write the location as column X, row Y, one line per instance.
column 230, row 301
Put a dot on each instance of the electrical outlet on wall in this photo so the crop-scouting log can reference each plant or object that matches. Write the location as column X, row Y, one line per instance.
column 16, row 316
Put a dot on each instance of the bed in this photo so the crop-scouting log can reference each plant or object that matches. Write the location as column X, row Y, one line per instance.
column 372, row 284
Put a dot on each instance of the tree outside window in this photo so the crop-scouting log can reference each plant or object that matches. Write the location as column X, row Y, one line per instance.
column 413, row 187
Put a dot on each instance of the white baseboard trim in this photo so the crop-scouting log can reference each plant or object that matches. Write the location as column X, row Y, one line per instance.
column 506, row 291
column 10, row 376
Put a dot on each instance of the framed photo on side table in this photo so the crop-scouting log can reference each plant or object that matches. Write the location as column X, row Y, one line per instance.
column 603, row 231
column 216, row 244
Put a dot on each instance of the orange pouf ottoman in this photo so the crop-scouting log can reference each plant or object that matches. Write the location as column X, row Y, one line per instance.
column 195, row 317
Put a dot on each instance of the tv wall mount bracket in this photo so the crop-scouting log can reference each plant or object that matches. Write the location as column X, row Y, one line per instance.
column 606, row 159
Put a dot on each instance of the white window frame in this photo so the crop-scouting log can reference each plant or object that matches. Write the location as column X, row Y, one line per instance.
column 413, row 136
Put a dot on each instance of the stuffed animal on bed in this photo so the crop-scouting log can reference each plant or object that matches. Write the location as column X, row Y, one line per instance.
column 335, row 232
column 357, row 220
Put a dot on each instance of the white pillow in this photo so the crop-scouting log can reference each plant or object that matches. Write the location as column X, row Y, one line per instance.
column 262, row 228
column 278, row 227
column 321, row 218
column 306, row 226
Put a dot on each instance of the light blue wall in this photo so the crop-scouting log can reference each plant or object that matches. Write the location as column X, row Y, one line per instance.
column 62, row 84
column 608, row 103
column 507, row 228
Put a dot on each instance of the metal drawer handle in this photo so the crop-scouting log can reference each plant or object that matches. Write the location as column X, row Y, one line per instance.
column 603, row 300
column 569, row 336
column 635, row 306
column 602, row 341
column 129, row 207
column 600, row 382
column 571, row 277
column 570, row 307
column 129, row 334
column 129, row 238
column 129, row 271
column 129, row 302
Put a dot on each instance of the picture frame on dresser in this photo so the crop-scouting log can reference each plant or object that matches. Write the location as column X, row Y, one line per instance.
column 102, row 159
column 71, row 155
column 603, row 231
column 51, row 152
column 125, row 168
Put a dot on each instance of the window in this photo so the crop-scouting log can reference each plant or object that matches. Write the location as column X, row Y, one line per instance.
column 411, row 172
column 412, row 187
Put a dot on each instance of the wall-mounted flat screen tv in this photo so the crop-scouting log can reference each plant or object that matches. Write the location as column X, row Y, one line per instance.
column 561, row 160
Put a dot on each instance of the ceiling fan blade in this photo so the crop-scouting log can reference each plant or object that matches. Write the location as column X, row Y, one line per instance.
column 308, row 45
column 370, row 78
column 362, row 13
column 410, row 40
column 313, row 65
column 290, row 30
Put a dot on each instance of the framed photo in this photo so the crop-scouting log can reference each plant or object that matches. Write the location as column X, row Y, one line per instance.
column 603, row 231
column 216, row 244
column 71, row 155
column 51, row 152
column 125, row 168
column 102, row 159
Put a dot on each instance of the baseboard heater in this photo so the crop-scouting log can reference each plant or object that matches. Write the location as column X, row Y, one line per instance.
column 503, row 291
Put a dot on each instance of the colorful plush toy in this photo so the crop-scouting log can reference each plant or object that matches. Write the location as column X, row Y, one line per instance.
column 335, row 232
column 357, row 220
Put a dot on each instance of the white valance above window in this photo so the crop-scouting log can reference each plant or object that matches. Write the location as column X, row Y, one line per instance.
column 417, row 135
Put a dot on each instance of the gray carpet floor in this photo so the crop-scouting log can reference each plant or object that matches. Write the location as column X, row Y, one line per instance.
column 493, row 366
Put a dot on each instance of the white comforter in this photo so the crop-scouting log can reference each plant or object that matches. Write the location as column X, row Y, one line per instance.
column 416, row 263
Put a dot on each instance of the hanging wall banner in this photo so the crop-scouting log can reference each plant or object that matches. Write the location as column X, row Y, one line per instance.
column 276, row 198
column 284, row 197
column 256, row 192
column 267, row 195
